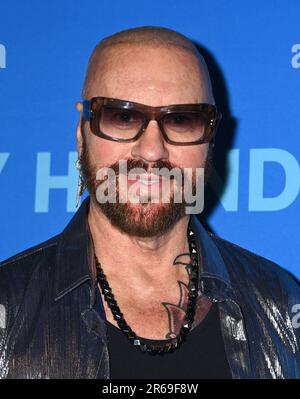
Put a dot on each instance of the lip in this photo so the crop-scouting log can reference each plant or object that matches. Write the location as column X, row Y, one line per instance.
column 145, row 179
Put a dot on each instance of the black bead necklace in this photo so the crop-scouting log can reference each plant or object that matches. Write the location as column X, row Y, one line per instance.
column 173, row 343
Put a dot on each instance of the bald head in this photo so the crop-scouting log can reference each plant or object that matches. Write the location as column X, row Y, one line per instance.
column 105, row 55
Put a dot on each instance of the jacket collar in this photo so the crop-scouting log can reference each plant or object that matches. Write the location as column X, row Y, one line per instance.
column 75, row 256
column 214, row 278
column 75, row 253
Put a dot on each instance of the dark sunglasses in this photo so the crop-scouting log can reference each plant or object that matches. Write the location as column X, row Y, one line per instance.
column 125, row 121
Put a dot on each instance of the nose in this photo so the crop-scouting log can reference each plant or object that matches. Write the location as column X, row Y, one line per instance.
column 151, row 146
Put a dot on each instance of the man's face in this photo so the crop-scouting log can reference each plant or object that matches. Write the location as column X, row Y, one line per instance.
column 155, row 77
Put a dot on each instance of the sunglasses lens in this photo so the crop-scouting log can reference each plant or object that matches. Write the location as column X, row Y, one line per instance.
column 183, row 124
column 185, row 127
column 120, row 123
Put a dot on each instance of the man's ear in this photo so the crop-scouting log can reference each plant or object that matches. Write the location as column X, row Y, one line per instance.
column 79, row 133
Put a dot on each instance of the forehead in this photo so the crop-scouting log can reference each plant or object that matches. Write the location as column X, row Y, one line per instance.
column 150, row 75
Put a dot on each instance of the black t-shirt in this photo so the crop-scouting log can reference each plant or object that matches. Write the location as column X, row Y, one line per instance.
column 202, row 355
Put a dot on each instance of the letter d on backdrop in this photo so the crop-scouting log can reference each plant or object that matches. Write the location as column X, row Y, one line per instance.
column 258, row 156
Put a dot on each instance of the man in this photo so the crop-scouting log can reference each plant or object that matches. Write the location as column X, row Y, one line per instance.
column 138, row 289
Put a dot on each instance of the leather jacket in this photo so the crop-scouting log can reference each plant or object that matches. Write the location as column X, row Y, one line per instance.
column 50, row 328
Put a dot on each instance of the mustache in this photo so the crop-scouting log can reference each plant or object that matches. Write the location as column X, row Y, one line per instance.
column 159, row 168
column 138, row 163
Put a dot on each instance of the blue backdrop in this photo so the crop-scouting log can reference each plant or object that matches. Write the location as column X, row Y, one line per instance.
column 253, row 52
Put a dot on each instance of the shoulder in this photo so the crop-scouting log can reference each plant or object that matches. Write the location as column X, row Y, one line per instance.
column 247, row 266
column 16, row 271
column 28, row 256
column 23, row 276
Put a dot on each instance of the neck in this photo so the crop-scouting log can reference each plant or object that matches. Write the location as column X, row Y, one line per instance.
column 142, row 259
